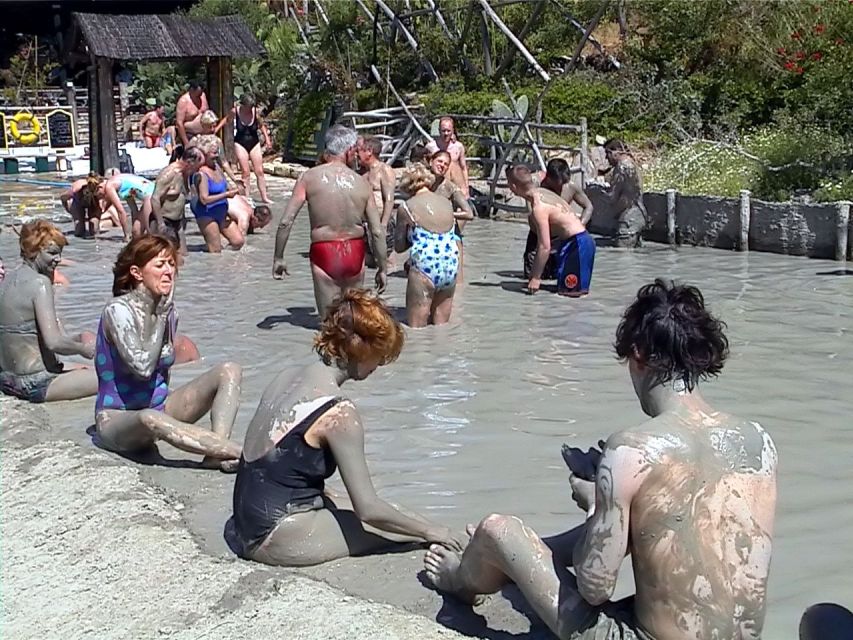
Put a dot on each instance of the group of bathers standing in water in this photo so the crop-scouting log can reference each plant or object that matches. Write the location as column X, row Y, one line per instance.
column 305, row 430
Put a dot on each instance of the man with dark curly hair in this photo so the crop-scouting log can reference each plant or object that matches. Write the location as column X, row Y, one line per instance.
column 689, row 494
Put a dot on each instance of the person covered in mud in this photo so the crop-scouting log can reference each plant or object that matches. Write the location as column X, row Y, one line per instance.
column 135, row 353
column 425, row 223
column 447, row 141
column 626, row 195
column 556, row 226
column 83, row 201
column 170, row 196
column 31, row 336
column 690, row 495
column 136, row 191
column 439, row 163
column 340, row 202
column 189, row 109
column 383, row 182
column 556, row 178
column 210, row 199
column 303, row 431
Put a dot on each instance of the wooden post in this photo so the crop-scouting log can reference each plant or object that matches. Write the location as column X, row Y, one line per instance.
column 511, row 51
column 670, row 216
column 94, row 138
column 842, row 246
column 106, row 148
column 71, row 99
column 487, row 10
column 487, row 45
column 220, row 98
column 584, row 152
column 745, row 211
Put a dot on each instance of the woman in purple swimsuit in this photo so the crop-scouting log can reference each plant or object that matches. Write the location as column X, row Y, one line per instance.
column 136, row 350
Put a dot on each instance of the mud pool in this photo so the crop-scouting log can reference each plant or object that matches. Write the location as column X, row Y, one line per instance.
column 470, row 419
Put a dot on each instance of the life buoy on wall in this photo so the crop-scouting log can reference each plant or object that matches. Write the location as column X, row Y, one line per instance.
column 27, row 137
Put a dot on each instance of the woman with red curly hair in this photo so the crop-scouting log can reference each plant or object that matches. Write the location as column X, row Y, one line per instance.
column 301, row 433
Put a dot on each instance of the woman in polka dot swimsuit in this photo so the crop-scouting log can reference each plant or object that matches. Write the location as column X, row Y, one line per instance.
column 425, row 225
column 135, row 352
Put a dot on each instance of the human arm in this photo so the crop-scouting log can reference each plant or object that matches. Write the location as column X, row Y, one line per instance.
column 142, row 124
column 463, row 164
column 66, row 198
column 226, row 167
column 345, row 438
column 266, row 133
column 180, row 117
column 580, row 198
column 387, row 184
column 50, row 331
column 461, row 207
column 401, row 229
column 139, row 350
column 599, row 555
column 377, row 241
column 543, row 246
column 297, row 199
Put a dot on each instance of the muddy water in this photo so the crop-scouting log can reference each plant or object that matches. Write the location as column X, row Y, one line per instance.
column 470, row 419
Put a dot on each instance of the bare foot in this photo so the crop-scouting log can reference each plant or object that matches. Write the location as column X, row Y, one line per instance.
column 225, row 466
column 441, row 565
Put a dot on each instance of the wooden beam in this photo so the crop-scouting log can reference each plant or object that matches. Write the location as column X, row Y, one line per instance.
column 487, row 10
column 399, row 98
column 220, row 93
column 105, row 126
column 531, row 21
column 487, row 46
column 527, row 133
column 577, row 25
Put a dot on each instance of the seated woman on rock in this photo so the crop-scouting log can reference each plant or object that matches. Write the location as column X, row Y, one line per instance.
column 301, row 433
column 425, row 225
column 135, row 352
column 31, row 336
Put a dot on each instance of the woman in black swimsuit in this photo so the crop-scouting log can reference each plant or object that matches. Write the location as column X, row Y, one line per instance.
column 247, row 143
column 301, row 433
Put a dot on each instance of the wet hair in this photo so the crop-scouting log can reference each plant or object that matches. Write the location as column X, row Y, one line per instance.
column 616, row 145
column 558, row 171
column 520, row 175
column 374, row 145
column 35, row 236
column 668, row 329
column 139, row 252
column 419, row 153
column 247, row 100
column 339, row 139
column 89, row 192
column 415, row 177
column 193, row 154
column 195, row 85
column 261, row 217
column 358, row 326
column 177, row 153
column 440, row 153
column 208, row 118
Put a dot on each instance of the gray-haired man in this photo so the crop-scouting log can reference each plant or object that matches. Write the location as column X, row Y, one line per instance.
column 339, row 202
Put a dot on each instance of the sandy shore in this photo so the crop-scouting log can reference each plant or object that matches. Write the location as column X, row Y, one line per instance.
column 90, row 550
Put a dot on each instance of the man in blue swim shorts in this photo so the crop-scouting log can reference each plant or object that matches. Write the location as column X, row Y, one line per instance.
column 559, row 231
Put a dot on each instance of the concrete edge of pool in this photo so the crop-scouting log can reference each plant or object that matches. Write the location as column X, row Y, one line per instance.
column 110, row 555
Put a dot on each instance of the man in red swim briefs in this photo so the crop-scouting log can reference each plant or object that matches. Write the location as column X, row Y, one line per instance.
column 339, row 202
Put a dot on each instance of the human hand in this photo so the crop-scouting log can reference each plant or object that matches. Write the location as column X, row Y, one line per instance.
column 583, row 464
column 533, row 286
column 583, row 492
column 381, row 281
column 232, row 193
column 445, row 536
column 279, row 269
column 166, row 304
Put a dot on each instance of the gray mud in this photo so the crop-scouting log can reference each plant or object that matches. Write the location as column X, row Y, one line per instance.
column 504, row 384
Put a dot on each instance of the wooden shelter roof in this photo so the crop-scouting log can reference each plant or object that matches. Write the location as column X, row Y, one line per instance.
column 166, row 37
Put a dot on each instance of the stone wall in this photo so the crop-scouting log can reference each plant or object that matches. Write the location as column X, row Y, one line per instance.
column 814, row 230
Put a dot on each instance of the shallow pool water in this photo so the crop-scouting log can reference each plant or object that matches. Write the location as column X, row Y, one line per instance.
column 470, row 419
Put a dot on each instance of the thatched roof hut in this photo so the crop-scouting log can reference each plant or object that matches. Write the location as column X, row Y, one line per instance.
column 107, row 38
column 168, row 37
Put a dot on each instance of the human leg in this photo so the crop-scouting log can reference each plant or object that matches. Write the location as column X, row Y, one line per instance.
column 72, row 385
column 630, row 227
column 245, row 170
column 217, row 391
column 145, row 214
column 136, row 223
column 210, row 232
column 232, row 233
column 326, row 289
column 257, row 159
column 419, row 296
column 504, row 550
column 442, row 305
